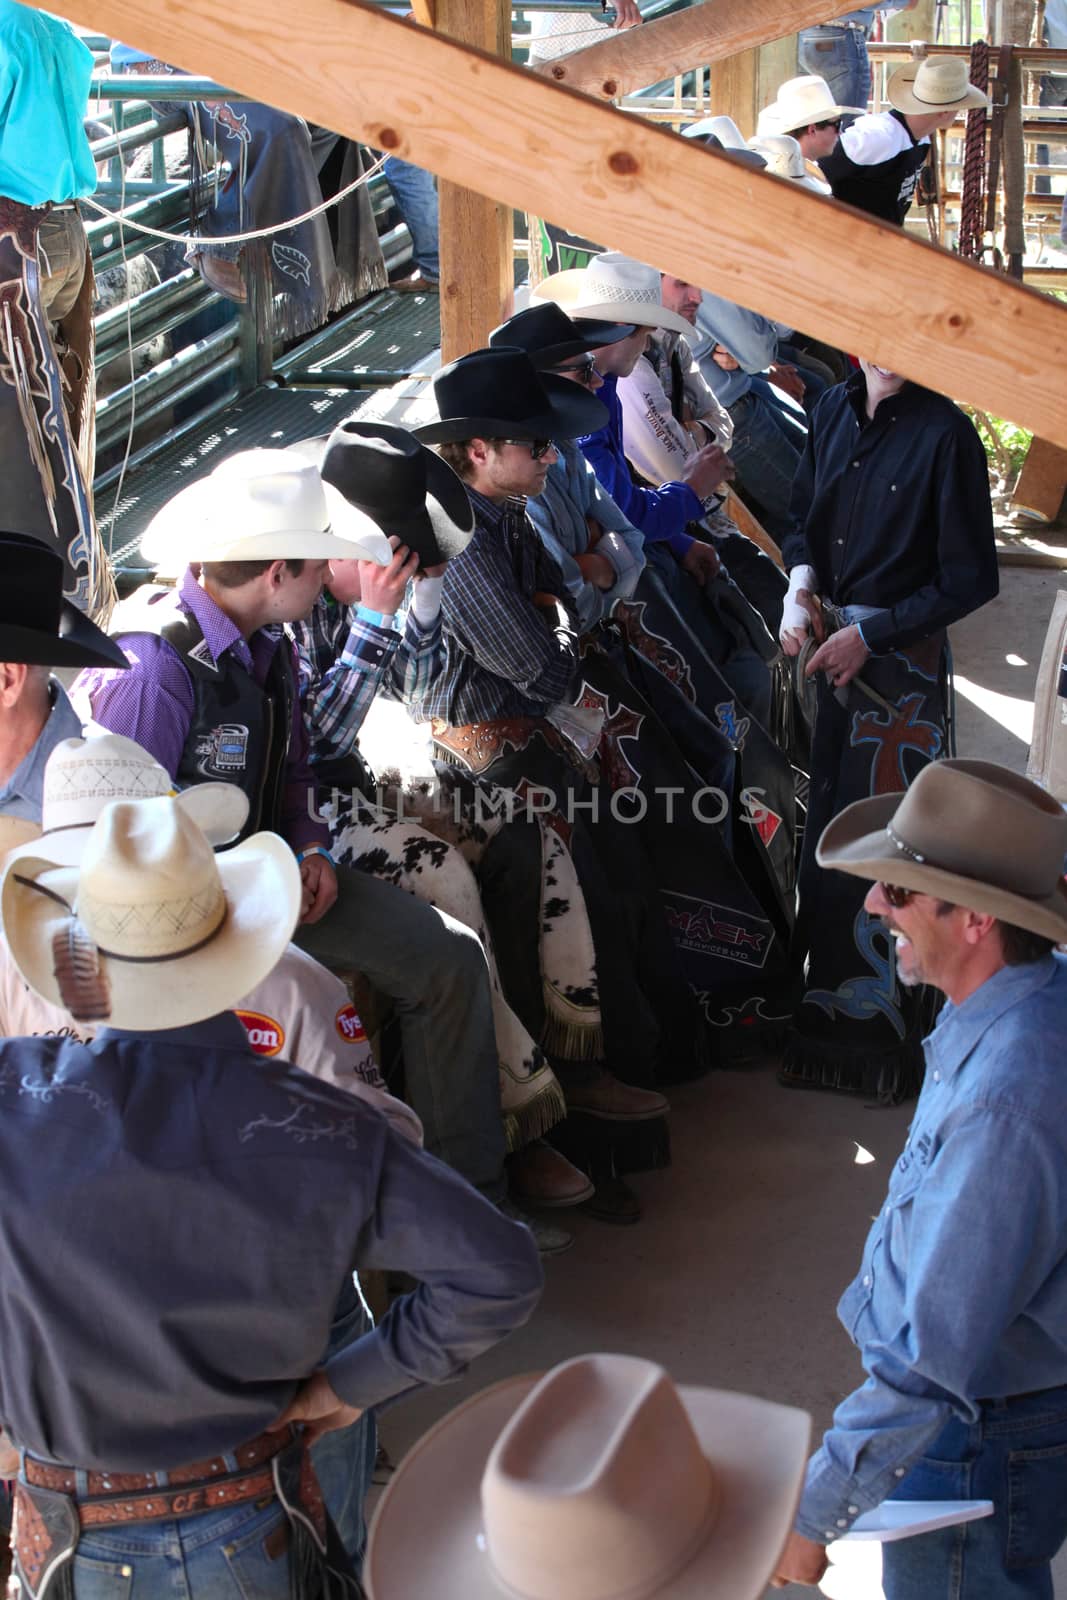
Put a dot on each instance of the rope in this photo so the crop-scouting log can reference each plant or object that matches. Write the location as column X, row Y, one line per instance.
column 972, row 210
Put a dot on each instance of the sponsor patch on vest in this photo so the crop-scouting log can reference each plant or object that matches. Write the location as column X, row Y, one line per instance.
column 224, row 750
column 714, row 930
column 265, row 1035
column 349, row 1026
column 202, row 653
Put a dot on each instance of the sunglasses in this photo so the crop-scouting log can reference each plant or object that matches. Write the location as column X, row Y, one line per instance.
column 582, row 370
column 834, row 122
column 538, row 448
column 896, row 896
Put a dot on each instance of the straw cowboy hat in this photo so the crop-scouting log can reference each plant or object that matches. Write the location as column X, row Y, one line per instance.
column 497, row 394
column 37, row 625
column 785, row 159
column 14, row 833
column 406, row 489
column 152, row 930
column 82, row 776
column 802, row 101
column 550, row 337
column 261, row 505
column 966, row 831
column 598, row 1481
column 937, row 83
column 722, row 133
column 612, row 288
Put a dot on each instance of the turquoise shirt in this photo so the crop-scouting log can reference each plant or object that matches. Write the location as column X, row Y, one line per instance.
column 44, row 94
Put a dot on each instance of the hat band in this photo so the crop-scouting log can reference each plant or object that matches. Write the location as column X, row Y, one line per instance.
column 115, row 955
column 905, row 849
column 943, row 105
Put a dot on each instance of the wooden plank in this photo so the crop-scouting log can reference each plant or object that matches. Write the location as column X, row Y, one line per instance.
column 735, row 89
column 476, row 232
column 703, row 33
column 860, row 284
column 1043, row 480
column 749, row 524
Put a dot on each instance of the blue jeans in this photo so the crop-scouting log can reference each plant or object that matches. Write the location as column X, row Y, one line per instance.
column 344, row 1460
column 840, row 56
column 1016, row 1456
column 237, row 1554
column 765, row 453
column 415, row 193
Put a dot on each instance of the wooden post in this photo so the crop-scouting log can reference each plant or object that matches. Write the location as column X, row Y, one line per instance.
column 743, row 84
column 477, row 244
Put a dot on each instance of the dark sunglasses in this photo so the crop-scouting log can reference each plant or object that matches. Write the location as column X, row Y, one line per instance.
column 537, row 447
column 896, row 896
column 582, row 370
column 834, row 122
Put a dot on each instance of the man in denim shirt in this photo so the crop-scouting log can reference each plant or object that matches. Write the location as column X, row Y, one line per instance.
column 960, row 1306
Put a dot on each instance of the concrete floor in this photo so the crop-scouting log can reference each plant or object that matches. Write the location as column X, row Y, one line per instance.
column 732, row 1276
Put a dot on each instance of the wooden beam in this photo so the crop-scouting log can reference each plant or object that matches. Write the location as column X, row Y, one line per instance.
column 1043, row 481
column 702, row 33
column 476, row 232
column 859, row 284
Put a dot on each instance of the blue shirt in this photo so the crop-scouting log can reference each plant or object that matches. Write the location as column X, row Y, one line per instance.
column 44, row 94
column 23, row 793
column 962, row 1291
column 178, row 1217
column 572, row 494
column 661, row 514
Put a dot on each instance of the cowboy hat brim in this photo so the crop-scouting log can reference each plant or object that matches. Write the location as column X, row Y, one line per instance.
column 261, row 882
column 856, row 842
column 594, row 335
column 821, row 114
column 572, row 413
column 220, row 811
column 570, row 291
column 79, row 643
column 15, row 834
column 758, row 1450
column 194, row 526
column 901, row 94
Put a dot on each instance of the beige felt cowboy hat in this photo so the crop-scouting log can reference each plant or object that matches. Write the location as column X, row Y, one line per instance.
column 968, row 832
column 153, row 930
column 802, row 101
column 785, row 159
column 82, row 776
column 612, row 288
column 598, row 1481
column 261, row 505
column 937, row 83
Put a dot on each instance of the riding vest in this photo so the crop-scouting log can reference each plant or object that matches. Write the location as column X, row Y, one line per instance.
column 884, row 189
column 238, row 733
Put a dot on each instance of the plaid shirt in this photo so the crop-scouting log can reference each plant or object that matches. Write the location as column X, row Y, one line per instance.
column 346, row 660
column 503, row 658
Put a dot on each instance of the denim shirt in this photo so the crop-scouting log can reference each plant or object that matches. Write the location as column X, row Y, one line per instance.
column 962, row 1292
column 22, row 795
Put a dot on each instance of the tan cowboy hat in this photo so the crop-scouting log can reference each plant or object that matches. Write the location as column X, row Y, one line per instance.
column 261, row 505
column 612, row 288
column 82, row 776
column 599, row 1480
column 785, row 159
column 802, row 101
column 966, row 831
column 153, row 930
column 15, row 832
column 937, row 83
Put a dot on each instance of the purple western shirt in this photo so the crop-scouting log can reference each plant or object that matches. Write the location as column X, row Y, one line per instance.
column 153, row 702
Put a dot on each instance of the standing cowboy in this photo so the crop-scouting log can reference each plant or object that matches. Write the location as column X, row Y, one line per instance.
column 893, row 542
column 164, row 1382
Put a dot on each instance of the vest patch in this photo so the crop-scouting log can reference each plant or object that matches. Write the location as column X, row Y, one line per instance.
column 349, row 1026
column 223, row 750
column 265, row 1035
column 201, row 652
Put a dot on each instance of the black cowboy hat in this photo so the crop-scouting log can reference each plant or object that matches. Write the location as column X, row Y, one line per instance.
column 385, row 472
column 37, row 625
column 549, row 336
column 497, row 394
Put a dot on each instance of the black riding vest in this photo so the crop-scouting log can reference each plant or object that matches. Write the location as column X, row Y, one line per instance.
column 238, row 733
column 884, row 189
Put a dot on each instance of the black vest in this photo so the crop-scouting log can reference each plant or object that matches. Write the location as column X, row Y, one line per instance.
column 884, row 189
column 238, row 733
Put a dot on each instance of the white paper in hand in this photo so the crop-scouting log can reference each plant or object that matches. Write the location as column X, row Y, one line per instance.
column 902, row 1519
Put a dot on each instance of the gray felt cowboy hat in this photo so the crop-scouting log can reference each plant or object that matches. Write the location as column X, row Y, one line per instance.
column 598, row 1479
column 968, row 832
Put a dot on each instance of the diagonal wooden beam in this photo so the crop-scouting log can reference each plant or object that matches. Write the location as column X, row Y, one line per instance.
column 861, row 284
column 710, row 31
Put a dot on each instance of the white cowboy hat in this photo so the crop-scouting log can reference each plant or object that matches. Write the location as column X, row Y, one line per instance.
column 722, row 133
column 153, row 930
column 937, row 83
column 15, row 832
column 82, row 776
column 598, row 1481
column 261, row 505
column 612, row 288
column 802, row 101
column 785, row 159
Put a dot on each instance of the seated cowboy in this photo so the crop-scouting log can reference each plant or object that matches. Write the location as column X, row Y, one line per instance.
column 164, row 1387
column 211, row 692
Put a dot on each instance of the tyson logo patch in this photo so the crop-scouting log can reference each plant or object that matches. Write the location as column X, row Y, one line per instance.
column 264, row 1034
column 349, row 1026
